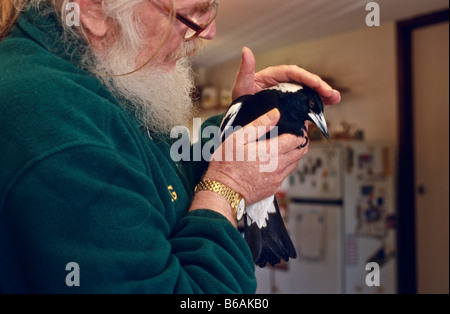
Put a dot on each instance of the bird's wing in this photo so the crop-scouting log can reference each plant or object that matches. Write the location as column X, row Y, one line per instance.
column 231, row 114
column 266, row 234
column 229, row 118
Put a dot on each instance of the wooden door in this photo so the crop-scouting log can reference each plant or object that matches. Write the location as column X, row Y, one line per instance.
column 430, row 69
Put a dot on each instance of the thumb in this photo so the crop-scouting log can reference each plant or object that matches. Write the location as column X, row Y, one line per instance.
column 245, row 79
column 260, row 126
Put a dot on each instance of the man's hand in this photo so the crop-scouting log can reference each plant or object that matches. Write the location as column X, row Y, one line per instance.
column 249, row 82
column 246, row 177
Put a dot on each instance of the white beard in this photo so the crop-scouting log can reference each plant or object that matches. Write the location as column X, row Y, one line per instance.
column 160, row 99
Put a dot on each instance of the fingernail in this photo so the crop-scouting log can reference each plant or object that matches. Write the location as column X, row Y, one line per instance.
column 273, row 114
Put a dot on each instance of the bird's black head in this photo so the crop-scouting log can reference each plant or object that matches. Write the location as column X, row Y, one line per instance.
column 306, row 104
column 316, row 110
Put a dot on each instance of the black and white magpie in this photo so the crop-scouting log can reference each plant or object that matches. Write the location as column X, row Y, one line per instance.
column 264, row 229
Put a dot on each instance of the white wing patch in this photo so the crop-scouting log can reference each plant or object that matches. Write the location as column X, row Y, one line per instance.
column 231, row 114
column 230, row 117
column 287, row 87
column 259, row 212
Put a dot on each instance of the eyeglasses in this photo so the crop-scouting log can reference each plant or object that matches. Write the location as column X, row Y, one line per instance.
column 198, row 21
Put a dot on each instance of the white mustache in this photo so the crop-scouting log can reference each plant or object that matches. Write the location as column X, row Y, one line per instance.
column 188, row 49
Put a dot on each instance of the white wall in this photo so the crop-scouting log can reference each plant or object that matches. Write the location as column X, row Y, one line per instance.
column 364, row 61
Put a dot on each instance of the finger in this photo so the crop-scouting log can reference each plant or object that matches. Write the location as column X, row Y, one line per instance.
column 245, row 79
column 259, row 127
column 290, row 168
column 287, row 73
column 332, row 100
column 291, row 73
column 329, row 95
column 291, row 158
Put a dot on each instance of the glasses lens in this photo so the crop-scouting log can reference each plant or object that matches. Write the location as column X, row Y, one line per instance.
column 203, row 19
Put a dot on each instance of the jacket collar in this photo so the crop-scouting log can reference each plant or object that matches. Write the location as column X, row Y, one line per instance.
column 42, row 25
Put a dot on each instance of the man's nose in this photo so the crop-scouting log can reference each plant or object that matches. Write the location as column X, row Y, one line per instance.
column 210, row 32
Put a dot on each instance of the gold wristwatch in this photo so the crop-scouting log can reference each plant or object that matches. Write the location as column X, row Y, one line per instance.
column 235, row 199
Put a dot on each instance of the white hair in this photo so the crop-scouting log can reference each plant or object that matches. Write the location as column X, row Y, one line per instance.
column 121, row 12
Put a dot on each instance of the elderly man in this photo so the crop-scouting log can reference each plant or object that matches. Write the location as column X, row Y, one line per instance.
column 90, row 199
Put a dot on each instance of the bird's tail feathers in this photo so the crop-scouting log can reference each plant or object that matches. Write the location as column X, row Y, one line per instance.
column 270, row 244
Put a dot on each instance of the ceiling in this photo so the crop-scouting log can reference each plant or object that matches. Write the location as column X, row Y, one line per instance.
column 267, row 24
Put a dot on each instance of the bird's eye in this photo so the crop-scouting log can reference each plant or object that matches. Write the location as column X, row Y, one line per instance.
column 312, row 104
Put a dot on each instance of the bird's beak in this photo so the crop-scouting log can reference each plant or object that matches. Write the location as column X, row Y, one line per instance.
column 319, row 120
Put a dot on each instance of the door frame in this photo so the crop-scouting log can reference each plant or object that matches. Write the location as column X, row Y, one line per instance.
column 406, row 225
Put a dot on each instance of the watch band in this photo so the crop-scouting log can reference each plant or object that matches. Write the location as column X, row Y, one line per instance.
column 232, row 197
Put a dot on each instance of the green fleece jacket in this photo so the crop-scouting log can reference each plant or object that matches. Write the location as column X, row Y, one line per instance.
column 88, row 202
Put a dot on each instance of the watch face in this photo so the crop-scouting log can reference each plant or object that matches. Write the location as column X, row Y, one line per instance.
column 240, row 209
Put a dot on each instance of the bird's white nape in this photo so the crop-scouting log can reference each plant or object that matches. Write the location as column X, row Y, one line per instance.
column 287, row 87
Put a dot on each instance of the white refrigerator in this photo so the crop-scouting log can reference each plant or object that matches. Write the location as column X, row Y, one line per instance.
column 340, row 210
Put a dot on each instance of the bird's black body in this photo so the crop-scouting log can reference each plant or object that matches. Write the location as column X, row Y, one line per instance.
column 293, row 107
column 264, row 229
